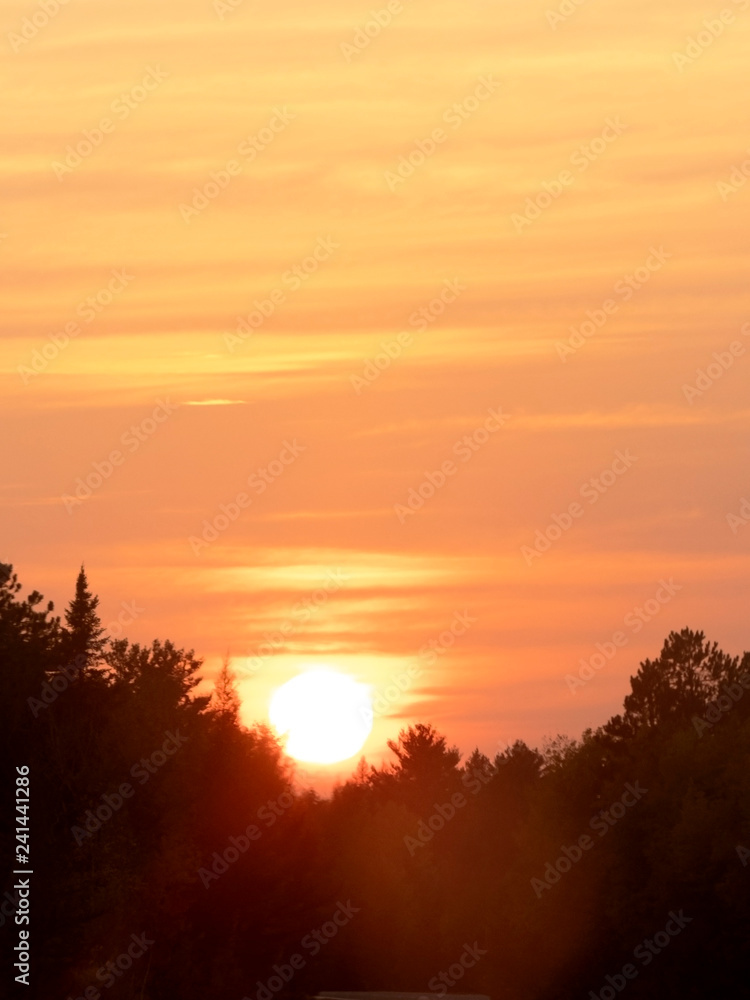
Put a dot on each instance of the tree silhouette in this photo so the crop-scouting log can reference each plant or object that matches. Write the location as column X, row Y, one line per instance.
column 555, row 864
column 426, row 767
column 423, row 754
column 679, row 684
column 225, row 702
column 85, row 642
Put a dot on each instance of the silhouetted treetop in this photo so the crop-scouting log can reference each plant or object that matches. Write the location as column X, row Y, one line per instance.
column 84, row 634
column 679, row 684
column 423, row 754
column 160, row 673
column 533, row 876
column 225, row 702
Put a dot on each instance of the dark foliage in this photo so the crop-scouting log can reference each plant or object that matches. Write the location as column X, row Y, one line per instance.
column 547, row 871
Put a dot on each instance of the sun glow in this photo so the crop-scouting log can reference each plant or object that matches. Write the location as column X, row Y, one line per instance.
column 325, row 716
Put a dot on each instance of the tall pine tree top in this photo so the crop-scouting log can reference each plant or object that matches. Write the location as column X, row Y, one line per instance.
column 84, row 630
column 226, row 701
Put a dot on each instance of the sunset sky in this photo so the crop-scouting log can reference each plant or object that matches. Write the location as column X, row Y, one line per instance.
column 185, row 165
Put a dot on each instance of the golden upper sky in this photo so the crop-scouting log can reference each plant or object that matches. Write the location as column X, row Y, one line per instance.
column 329, row 242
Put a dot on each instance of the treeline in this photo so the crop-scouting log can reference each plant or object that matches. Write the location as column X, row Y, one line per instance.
column 173, row 857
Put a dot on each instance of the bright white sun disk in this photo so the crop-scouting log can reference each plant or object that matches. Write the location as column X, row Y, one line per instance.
column 325, row 716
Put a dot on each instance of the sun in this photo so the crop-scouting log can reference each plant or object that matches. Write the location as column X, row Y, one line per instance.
column 326, row 716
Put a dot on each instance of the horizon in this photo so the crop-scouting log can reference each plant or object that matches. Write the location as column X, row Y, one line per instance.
column 477, row 352
column 324, row 778
column 374, row 396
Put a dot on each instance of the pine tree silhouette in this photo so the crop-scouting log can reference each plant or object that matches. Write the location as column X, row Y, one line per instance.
column 226, row 701
column 85, row 643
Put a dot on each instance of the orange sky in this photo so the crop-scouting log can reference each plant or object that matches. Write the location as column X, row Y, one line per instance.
column 611, row 119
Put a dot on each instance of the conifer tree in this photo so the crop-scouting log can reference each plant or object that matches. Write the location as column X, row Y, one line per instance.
column 226, row 701
column 85, row 635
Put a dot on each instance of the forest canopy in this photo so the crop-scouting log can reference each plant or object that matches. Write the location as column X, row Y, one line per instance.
column 166, row 831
